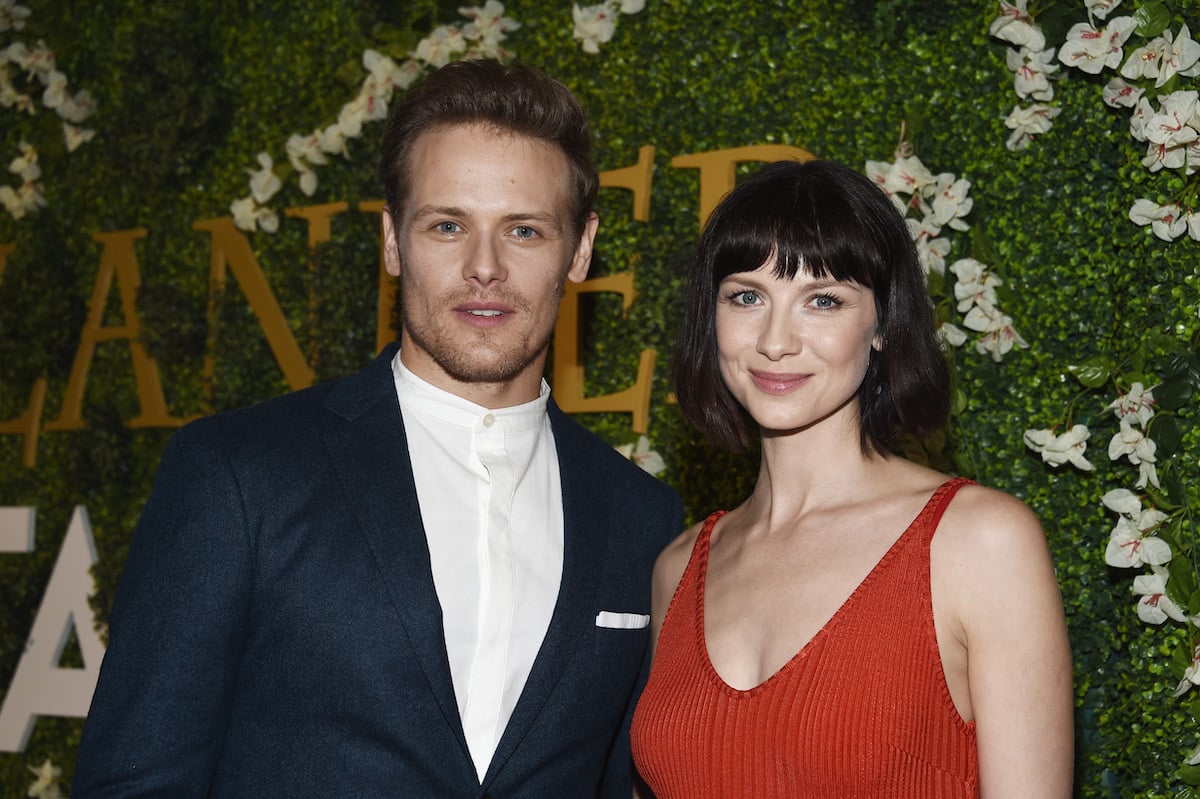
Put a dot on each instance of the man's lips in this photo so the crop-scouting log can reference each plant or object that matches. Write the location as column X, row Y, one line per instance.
column 777, row 382
column 484, row 314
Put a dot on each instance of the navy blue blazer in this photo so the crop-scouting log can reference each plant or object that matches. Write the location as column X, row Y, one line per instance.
column 276, row 631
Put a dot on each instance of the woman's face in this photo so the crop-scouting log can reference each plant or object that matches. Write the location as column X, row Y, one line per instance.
column 794, row 352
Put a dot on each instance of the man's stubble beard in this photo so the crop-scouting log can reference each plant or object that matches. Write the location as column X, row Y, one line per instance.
column 482, row 364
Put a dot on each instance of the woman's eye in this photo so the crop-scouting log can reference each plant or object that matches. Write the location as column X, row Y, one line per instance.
column 746, row 297
column 825, row 301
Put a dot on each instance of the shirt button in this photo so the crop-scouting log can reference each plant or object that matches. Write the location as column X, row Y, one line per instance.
column 489, row 420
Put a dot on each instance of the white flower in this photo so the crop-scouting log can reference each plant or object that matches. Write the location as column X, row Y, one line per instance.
column 908, row 176
column 1092, row 50
column 1155, row 606
column 1137, row 403
column 649, row 460
column 1119, row 94
column 1123, row 501
column 22, row 201
column 1171, row 126
column 247, row 215
column 76, row 136
column 975, row 286
column 40, row 61
column 26, row 164
column 303, row 152
column 1192, row 219
column 1057, row 450
column 931, row 252
column 1144, row 61
column 1000, row 341
column 1191, row 676
column 12, row 16
column 264, row 183
column 1180, row 56
column 332, row 139
column 1138, row 448
column 1031, row 70
column 1016, row 26
column 951, row 335
column 950, row 201
column 1129, row 546
column 594, row 26
column 46, row 784
column 439, row 48
column 488, row 23
column 1028, row 122
column 1165, row 220
column 1100, row 8
column 1143, row 112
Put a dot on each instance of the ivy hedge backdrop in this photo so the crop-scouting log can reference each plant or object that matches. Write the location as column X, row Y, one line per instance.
column 183, row 97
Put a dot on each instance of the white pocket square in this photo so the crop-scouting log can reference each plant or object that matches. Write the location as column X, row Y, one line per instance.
column 622, row 621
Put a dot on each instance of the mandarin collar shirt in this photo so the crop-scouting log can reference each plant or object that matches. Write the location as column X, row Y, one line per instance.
column 488, row 486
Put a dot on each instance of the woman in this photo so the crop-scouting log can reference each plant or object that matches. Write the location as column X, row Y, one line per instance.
column 819, row 640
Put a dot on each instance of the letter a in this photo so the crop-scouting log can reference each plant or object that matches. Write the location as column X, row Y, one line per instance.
column 40, row 687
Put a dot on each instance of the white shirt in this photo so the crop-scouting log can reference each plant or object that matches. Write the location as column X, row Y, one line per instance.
column 491, row 502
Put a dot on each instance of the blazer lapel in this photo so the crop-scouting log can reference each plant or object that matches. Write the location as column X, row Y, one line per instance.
column 366, row 440
column 583, row 554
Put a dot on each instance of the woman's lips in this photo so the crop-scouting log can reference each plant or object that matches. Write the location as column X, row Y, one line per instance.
column 777, row 382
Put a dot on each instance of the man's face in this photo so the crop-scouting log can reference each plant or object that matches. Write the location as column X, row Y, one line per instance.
column 483, row 249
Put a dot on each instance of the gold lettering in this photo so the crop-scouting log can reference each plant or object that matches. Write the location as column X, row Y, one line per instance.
column 120, row 261
column 636, row 178
column 718, row 168
column 27, row 423
column 568, row 366
column 231, row 249
column 5, row 251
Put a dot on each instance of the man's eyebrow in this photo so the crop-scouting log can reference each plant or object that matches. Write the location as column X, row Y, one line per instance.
column 545, row 218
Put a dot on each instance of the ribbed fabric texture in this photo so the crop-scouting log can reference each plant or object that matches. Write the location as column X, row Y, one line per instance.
column 861, row 711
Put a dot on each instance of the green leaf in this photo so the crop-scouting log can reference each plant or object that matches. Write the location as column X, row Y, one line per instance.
column 1181, row 581
column 1152, row 19
column 1193, row 605
column 1094, row 372
column 1191, row 776
column 1164, row 429
column 1173, row 393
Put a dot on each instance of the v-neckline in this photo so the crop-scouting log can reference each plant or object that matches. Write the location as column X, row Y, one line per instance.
column 822, row 631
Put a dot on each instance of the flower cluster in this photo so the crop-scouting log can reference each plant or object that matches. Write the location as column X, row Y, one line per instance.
column 931, row 204
column 1150, row 84
column 1032, row 65
column 649, row 460
column 23, row 72
column 595, row 25
column 1153, row 526
column 480, row 36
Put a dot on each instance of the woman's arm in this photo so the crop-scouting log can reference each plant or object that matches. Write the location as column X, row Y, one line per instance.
column 1019, row 669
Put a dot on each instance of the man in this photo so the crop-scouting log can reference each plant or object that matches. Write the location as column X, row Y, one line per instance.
column 423, row 580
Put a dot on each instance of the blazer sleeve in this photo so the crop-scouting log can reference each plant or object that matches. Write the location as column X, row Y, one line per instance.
column 176, row 633
column 619, row 774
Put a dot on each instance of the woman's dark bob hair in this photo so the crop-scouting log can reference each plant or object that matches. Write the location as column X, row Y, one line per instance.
column 829, row 221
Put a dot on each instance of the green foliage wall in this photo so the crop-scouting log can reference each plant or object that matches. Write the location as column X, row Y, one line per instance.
column 188, row 94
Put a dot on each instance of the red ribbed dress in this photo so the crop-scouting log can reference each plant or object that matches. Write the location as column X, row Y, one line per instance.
column 861, row 711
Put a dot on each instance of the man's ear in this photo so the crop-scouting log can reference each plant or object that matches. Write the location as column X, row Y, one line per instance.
column 391, row 251
column 581, row 261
